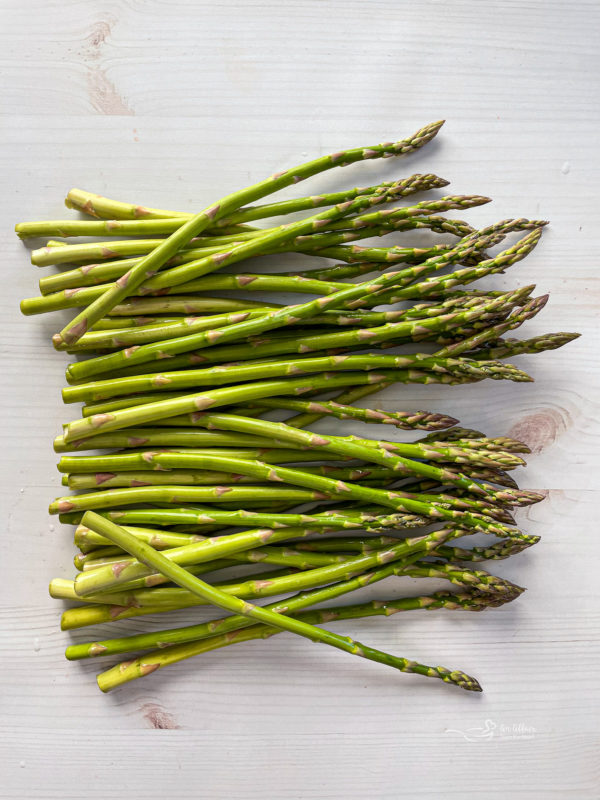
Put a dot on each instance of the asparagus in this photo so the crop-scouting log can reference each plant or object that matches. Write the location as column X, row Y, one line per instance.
column 232, row 603
column 151, row 263
column 93, row 254
column 173, row 437
column 328, row 245
column 407, row 420
column 250, row 282
column 159, row 538
column 183, row 304
column 135, row 600
column 272, row 319
column 195, row 633
column 397, row 499
column 103, row 207
column 188, row 403
column 142, row 602
column 93, row 408
column 206, row 477
column 99, row 557
column 377, row 454
column 239, row 463
column 358, row 226
column 398, row 328
column 198, row 460
column 202, row 516
column 532, row 308
column 141, row 224
column 346, row 397
column 215, row 376
column 93, row 273
column 281, row 556
column 116, row 338
column 84, row 285
column 109, row 323
column 499, row 550
column 180, row 494
column 505, row 348
column 140, row 667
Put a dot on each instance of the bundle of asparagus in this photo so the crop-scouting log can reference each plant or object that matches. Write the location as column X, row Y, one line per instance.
column 198, row 479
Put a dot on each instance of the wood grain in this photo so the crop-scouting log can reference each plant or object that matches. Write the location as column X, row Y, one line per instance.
column 168, row 105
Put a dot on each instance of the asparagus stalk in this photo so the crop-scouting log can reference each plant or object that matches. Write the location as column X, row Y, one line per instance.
column 456, row 476
column 178, row 436
column 182, row 494
column 281, row 556
column 406, row 420
column 195, row 633
column 199, row 517
column 240, row 373
column 153, row 262
column 100, row 264
column 398, row 328
column 506, row 348
column 93, row 254
column 142, row 666
column 373, row 452
column 159, row 538
column 98, row 206
column 235, row 605
column 133, row 599
column 130, row 573
column 142, row 602
column 116, row 338
column 531, row 308
column 139, row 223
column 206, row 477
column 269, row 321
column 182, row 304
column 228, row 395
column 108, row 577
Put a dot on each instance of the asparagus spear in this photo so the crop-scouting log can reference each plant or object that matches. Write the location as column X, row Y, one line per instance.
column 183, row 304
column 228, row 395
column 140, row 667
column 207, row 477
column 199, row 517
column 177, row 436
column 142, row 602
column 372, row 452
column 240, row 373
column 407, row 420
column 92, row 273
column 103, row 579
column 181, row 494
column 195, row 633
column 505, row 348
column 281, row 556
column 398, row 328
column 144, row 665
column 151, row 263
column 270, row 320
column 142, row 224
column 117, row 338
column 263, row 585
column 232, row 603
column 98, row 206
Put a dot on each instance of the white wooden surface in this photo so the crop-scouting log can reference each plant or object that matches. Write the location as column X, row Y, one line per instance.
column 172, row 104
